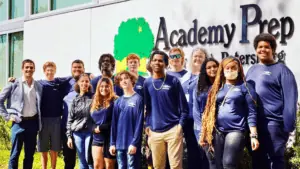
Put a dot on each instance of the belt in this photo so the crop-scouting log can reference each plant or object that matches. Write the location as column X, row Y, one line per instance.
column 30, row 118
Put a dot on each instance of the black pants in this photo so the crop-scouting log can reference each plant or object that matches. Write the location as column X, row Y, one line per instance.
column 193, row 153
column 228, row 149
column 69, row 154
column 270, row 154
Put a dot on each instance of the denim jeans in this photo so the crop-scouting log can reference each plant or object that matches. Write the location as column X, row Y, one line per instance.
column 228, row 149
column 270, row 154
column 23, row 132
column 126, row 161
column 207, row 157
column 82, row 143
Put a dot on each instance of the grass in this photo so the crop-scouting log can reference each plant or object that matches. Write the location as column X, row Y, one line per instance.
column 4, row 157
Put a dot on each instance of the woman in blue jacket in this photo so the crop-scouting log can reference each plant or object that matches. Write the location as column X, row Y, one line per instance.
column 206, row 78
column 230, row 110
column 101, row 113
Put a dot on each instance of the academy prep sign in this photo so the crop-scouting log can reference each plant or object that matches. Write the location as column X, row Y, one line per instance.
column 282, row 28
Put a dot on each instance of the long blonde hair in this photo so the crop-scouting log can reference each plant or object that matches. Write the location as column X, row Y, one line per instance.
column 99, row 100
column 209, row 114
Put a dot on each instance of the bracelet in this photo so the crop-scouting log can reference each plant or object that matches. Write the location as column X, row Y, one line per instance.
column 254, row 135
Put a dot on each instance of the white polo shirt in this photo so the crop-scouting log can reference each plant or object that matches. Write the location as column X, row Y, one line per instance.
column 29, row 96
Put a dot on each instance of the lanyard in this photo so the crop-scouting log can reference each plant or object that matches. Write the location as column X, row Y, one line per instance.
column 226, row 96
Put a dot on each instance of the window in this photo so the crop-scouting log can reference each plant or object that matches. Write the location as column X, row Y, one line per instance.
column 3, row 10
column 16, row 9
column 3, row 49
column 15, row 54
column 57, row 4
column 39, row 6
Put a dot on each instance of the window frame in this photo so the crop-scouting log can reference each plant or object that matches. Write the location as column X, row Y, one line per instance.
column 8, row 35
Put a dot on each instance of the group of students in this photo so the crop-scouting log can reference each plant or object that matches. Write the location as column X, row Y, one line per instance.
column 215, row 107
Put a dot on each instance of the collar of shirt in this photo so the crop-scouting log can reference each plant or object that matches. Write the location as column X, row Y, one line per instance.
column 25, row 82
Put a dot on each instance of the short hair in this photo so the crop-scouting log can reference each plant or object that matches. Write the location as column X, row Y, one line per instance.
column 77, row 87
column 176, row 49
column 132, row 77
column 158, row 52
column 27, row 61
column 111, row 58
column 132, row 56
column 265, row 37
column 195, row 50
column 49, row 64
column 78, row 61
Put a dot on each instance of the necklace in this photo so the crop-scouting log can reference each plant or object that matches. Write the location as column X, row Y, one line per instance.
column 161, row 84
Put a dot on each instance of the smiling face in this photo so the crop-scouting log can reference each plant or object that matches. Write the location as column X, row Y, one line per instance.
column 28, row 70
column 264, row 52
column 50, row 72
column 176, row 61
column 84, row 83
column 77, row 69
column 104, row 89
column 133, row 65
column 211, row 69
column 198, row 58
column 125, row 82
column 157, row 63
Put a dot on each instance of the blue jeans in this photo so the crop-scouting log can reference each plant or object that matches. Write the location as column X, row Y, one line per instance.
column 270, row 154
column 126, row 161
column 82, row 143
column 207, row 157
column 228, row 149
column 23, row 132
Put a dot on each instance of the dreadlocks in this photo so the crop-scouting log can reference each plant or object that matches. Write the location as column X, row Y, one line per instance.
column 209, row 115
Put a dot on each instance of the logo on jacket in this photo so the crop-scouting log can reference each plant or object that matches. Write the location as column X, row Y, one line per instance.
column 267, row 73
column 139, row 86
column 131, row 104
column 166, row 87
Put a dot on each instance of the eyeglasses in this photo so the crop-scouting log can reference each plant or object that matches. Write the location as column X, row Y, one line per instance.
column 176, row 56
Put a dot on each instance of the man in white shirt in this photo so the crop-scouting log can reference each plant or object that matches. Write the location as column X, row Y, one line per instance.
column 23, row 108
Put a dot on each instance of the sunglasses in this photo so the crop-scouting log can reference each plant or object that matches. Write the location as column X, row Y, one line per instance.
column 176, row 56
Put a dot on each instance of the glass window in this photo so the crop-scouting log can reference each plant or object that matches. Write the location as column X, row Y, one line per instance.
column 16, row 9
column 3, row 10
column 39, row 6
column 15, row 54
column 57, row 4
column 3, row 48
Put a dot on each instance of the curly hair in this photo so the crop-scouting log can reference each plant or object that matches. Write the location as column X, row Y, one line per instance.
column 203, row 80
column 209, row 114
column 132, row 77
column 98, row 100
column 111, row 58
column 265, row 37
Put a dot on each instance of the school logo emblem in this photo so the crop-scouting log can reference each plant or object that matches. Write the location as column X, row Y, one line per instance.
column 139, row 86
column 131, row 104
column 267, row 73
column 134, row 36
column 166, row 87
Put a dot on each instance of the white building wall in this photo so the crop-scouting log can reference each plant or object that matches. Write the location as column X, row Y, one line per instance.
column 88, row 33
